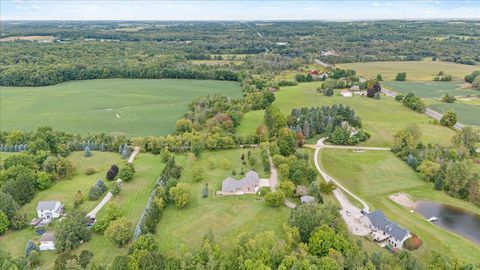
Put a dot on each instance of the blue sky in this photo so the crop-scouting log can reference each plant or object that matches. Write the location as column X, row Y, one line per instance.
column 237, row 10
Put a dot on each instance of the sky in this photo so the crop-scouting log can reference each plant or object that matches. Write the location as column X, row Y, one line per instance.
column 237, row 10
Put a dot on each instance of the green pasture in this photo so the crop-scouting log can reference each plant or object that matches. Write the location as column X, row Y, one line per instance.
column 431, row 89
column 251, row 120
column 468, row 114
column 416, row 70
column 381, row 118
column 226, row 216
column 115, row 106
column 374, row 175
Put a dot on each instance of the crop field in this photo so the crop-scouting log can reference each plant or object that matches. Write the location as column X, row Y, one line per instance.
column 381, row 118
column 416, row 70
column 132, row 199
column 374, row 175
column 431, row 89
column 115, row 106
column 467, row 113
column 226, row 216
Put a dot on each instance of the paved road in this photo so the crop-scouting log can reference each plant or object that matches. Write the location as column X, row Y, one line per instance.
column 434, row 114
column 328, row 178
column 274, row 182
column 109, row 195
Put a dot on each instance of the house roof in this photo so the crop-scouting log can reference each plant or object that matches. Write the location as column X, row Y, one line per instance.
column 47, row 205
column 379, row 220
column 251, row 180
column 47, row 236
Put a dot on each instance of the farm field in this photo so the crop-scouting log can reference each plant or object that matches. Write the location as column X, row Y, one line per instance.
column 431, row 89
column 251, row 120
column 131, row 200
column 226, row 216
column 381, row 118
column 116, row 106
column 467, row 113
column 375, row 175
column 416, row 70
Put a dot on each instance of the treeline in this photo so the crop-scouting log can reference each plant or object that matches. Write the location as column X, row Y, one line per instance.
column 337, row 122
column 449, row 168
column 315, row 237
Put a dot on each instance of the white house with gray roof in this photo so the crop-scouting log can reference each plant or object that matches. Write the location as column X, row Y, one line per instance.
column 385, row 230
column 49, row 209
column 247, row 185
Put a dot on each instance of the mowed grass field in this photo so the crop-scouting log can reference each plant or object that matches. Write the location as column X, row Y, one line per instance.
column 115, row 106
column 131, row 200
column 416, row 70
column 374, row 175
column 251, row 120
column 381, row 118
column 227, row 217
column 431, row 89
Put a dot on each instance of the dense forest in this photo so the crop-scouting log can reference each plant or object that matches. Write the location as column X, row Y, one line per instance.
column 82, row 50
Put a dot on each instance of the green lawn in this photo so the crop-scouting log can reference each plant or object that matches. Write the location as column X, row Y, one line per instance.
column 381, row 118
column 63, row 191
column 373, row 175
column 431, row 89
column 132, row 200
column 227, row 217
column 115, row 106
column 251, row 120
column 416, row 70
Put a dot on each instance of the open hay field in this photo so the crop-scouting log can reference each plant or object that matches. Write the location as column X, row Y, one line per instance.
column 115, row 106
column 226, row 216
column 30, row 38
column 374, row 175
column 431, row 89
column 416, row 70
column 381, row 118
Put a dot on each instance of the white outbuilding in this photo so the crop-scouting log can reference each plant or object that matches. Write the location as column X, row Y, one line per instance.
column 47, row 241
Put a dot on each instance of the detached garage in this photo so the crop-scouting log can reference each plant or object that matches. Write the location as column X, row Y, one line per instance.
column 47, row 241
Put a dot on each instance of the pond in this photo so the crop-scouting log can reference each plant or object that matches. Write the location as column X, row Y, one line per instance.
column 451, row 218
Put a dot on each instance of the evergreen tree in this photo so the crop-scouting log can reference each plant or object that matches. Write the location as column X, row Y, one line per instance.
column 87, row 152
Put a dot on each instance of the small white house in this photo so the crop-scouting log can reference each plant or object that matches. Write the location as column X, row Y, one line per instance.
column 49, row 209
column 47, row 241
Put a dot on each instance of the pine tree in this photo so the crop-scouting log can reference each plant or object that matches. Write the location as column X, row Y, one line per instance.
column 87, row 152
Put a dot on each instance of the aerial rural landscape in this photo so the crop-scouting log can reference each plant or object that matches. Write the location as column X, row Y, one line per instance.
column 143, row 140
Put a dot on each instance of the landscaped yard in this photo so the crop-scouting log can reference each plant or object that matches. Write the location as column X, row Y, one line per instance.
column 115, row 106
column 381, row 118
column 226, row 216
column 374, row 175
column 416, row 70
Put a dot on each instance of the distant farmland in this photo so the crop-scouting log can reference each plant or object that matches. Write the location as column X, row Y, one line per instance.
column 115, row 106
column 416, row 70
column 431, row 89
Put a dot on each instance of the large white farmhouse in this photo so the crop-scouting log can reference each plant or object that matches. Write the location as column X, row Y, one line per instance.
column 49, row 209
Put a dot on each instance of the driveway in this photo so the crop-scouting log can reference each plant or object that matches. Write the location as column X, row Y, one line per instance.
column 349, row 212
column 109, row 195
column 274, row 182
